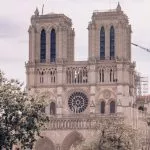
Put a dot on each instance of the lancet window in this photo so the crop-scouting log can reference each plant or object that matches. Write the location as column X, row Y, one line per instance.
column 112, row 107
column 102, row 43
column 43, row 46
column 101, row 75
column 47, row 75
column 102, row 107
column 112, row 43
column 113, row 74
column 107, row 74
column 53, row 46
column 52, row 108
column 41, row 77
column 77, row 75
column 52, row 75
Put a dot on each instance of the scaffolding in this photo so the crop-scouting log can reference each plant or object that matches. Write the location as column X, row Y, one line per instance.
column 142, row 84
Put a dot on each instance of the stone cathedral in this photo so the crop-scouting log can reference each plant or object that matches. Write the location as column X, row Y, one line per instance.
column 80, row 93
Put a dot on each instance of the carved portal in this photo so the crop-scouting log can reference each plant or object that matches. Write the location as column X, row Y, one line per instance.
column 44, row 144
column 71, row 141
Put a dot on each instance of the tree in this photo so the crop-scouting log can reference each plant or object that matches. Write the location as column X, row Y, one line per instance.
column 21, row 116
column 111, row 135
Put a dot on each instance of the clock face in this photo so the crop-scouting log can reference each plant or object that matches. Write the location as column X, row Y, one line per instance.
column 78, row 102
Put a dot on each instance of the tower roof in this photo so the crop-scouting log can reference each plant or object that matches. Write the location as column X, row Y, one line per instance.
column 110, row 14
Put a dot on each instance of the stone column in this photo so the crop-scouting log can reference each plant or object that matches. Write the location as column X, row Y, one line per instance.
column 64, row 50
column 59, row 43
column 92, row 74
column 92, row 41
column 48, row 46
column 31, row 44
column 107, row 42
column 59, row 105
column 59, row 75
column 37, row 47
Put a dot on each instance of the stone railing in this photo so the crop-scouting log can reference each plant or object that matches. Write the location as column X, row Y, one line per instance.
column 80, row 121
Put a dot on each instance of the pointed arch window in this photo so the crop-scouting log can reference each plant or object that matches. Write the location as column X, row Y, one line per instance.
column 102, row 75
column 102, row 107
column 43, row 46
column 52, row 108
column 112, row 42
column 102, row 43
column 42, row 77
column 112, row 107
column 53, row 46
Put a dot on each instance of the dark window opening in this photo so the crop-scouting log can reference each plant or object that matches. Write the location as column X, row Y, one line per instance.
column 52, row 108
column 102, row 107
column 53, row 46
column 102, row 43
column 43, row 47
column 112, row 107
column 112, row 43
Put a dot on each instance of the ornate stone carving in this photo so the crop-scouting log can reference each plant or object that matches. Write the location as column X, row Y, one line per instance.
column 106, row 94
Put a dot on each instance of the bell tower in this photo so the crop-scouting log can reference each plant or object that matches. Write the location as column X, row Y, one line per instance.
column 51, row 44
column 109, row 35
column 51, row 38
column 80, row 94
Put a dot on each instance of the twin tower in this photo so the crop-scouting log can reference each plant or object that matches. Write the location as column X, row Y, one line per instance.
column 80, row 93
column 51, row 37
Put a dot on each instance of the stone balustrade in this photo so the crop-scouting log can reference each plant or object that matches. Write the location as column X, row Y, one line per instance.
column 80, row 121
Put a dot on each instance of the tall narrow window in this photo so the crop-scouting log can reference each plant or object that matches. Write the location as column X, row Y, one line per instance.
column 43, row 46
column 111, row 75
column 52, row 108
column 102, row 43
column 112, row 43
column 53, row 46
column 112, row 107
column 102, row 107
column 102, row 75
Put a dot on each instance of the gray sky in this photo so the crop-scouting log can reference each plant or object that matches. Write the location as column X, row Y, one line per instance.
column 15, row 20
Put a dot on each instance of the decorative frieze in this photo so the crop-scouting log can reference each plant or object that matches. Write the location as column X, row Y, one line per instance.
column 80, row 121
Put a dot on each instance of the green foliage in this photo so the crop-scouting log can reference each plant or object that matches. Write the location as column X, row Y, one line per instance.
column 21, row 116
column 111, row 135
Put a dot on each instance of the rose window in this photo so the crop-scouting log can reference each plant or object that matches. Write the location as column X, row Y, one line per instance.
column 78, row 102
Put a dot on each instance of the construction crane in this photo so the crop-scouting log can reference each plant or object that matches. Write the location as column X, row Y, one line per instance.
column 146, row 49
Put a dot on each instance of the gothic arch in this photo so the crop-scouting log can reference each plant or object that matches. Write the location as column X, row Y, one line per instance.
column 40, row 28
column 102, row 107
column 112, row 106
column 102, row 43
column 53, row 45
column 48, row 95
column 112, row 42
column 43, row 46
column 72, row 139
column 52, row 108
column 101, row 94
column 44, row 144
column 53, row 26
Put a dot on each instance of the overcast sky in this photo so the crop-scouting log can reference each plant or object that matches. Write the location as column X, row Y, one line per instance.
column 15, row 20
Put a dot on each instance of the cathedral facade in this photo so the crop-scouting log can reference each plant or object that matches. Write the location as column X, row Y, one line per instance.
column 80, row 93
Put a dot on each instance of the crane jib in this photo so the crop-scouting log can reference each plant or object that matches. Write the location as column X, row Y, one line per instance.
column 148, row 50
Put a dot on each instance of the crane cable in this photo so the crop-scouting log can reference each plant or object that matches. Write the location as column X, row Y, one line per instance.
column 148, row 50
